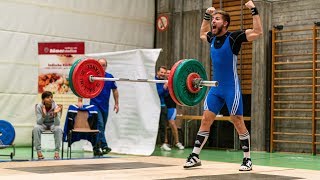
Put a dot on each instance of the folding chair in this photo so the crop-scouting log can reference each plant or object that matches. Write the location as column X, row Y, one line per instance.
column 7, row 136
column 81, row 125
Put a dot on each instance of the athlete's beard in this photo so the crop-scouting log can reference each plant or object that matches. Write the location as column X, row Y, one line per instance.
column 218, row 31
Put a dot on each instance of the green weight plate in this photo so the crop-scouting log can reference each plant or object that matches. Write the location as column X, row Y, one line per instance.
column 70, row 76
column 180, row 82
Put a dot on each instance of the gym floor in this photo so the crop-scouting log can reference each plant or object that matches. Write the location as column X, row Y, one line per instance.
column 216, row 164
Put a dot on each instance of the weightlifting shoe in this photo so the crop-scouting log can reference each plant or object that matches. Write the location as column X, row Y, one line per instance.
column 192, row 161
column 246, row 165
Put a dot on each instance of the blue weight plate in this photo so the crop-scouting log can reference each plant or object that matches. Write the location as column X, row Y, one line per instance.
column 7, row 133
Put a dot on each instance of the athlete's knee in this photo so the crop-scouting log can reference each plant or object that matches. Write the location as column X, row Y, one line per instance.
column 237, row 120
column 207, row 119
column 37, row 128
column 56, row 129
column 172, row 123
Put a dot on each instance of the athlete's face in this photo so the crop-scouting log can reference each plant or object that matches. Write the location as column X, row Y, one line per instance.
column 47, row 101
column 167, row 74
column 161, row 74
column 103, row 63
column 218, row 25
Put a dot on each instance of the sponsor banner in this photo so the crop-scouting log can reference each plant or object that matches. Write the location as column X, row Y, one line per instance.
column 66, row 48
column 55, row 61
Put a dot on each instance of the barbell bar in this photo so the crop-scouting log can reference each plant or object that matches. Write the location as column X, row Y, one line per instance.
column 187, row 81
column 197, row 82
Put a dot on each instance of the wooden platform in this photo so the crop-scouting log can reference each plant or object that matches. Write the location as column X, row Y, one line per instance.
column 153, row 167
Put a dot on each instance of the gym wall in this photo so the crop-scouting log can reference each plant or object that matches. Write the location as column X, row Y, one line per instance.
column 295, row 16
column 181, row 40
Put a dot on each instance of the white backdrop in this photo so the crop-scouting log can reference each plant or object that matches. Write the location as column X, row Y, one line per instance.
column 104, row 26
column 134, row 129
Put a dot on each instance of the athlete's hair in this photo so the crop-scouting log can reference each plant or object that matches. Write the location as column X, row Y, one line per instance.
column 225, row 16
column 46, row 94
column 103, row 59
column 161, row 67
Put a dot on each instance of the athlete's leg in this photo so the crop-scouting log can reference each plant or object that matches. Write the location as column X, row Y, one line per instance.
column 235, row 106
column 212, row 106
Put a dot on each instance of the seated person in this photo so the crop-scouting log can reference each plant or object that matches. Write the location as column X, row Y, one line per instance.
column 48, row 118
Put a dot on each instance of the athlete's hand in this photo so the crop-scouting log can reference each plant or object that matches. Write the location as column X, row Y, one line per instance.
column 44, row 111
column 250, row 4
column 116, row 108
column 165, row 85
column 80, row 104
column 210, row 10
column 57, row 109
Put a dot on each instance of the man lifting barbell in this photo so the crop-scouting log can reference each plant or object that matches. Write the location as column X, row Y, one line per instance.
column 225, row 47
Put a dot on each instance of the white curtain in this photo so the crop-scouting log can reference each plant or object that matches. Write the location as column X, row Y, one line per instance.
column 134, row 129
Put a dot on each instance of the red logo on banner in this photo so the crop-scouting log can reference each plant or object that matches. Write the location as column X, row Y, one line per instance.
column 61, row 48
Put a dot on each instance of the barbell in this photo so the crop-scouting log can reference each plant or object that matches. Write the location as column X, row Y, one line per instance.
column 187, row 82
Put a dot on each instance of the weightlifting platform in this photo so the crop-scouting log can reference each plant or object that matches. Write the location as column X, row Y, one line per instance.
column 137, row 167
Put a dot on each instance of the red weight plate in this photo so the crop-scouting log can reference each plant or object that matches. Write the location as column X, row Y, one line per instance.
column 189, row 82
column 80, row 78
column 171, row 83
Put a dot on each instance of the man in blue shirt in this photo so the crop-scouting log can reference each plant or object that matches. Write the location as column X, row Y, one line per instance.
column 224, row 48
column 102, row 104
column 163, row 91
column 171, row 118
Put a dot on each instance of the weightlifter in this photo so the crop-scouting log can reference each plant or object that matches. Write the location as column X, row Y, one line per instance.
column 224, row 48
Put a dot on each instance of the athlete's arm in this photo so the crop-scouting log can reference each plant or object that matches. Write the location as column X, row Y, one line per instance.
column 256, row 31
column 80, row 104
column 116, row 100
column 205, row 26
